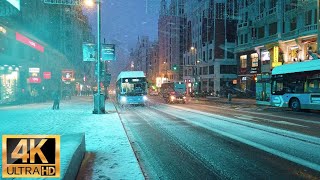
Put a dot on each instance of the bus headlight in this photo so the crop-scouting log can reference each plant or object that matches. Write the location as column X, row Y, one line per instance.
column 123, row 99
column 145, row 98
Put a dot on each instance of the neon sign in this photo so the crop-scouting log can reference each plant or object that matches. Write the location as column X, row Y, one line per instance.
column 29, row 42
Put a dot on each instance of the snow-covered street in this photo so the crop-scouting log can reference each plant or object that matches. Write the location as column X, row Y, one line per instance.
column 186, row 142
column 109, row 154
column 179, row 141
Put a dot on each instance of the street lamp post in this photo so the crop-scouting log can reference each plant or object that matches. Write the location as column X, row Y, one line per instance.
column 97, row 100
column 98, row 111
column 89, row 3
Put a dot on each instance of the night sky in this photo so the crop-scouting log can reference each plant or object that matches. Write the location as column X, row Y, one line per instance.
column 122, row 22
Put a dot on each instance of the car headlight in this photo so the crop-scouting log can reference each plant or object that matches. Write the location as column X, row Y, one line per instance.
column 145, row 98
column 172, row 98
column 123, row 99
column 184, row 97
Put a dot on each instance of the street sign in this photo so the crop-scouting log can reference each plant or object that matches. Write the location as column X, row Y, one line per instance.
column 89, row 52
column 108, row 52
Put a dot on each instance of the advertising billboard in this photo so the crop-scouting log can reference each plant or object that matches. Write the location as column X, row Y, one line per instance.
column 89, row 52
column 108, row 52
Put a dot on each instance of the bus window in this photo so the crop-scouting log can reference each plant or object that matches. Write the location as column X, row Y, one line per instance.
column 313, row 86
column 277, row 88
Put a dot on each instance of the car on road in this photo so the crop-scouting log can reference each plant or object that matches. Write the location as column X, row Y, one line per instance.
column 175, row 97
column 153, row 93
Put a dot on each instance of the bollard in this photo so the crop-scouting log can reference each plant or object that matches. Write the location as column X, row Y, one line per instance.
column 229, row 97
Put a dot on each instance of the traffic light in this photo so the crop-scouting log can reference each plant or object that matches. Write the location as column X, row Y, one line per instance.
column 175, row 67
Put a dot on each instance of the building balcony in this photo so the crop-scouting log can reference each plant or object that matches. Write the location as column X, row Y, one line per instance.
column 308, row 30
column 290, row 35
column 304, row 31
column 266, row 40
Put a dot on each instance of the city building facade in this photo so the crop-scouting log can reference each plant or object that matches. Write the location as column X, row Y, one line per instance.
column 171, row 40
column 208, row 60
column 34, row 48
column 153, row 63
column 272, row 33
column 139, row 56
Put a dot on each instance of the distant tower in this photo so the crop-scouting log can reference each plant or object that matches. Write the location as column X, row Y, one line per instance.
column 163, row 8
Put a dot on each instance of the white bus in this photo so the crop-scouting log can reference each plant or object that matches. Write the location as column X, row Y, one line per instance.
column 296, row 85
column 131, row 88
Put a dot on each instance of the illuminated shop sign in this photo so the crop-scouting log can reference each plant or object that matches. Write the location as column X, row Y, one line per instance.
column 265, row 56
column 34, row 70
column 29, row 42
column 35, row 80
column 275, row 61
column 67, row 75
column 46, row 75
column 34, row 76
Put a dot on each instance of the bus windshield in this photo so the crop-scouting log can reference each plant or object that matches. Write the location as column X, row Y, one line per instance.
column 133, row 86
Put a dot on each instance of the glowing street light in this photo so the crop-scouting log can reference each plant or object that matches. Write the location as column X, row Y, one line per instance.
column 89, row 3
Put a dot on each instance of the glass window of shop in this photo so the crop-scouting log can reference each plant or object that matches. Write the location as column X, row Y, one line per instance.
column 293, row 53
column 254, row 60
column 9, row 76
column 243, row 61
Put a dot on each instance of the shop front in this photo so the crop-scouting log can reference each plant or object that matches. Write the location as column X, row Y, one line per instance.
column 9, row 84
column 248, row 70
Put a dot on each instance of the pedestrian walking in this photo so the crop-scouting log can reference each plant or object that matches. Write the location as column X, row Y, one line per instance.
column 56, row 100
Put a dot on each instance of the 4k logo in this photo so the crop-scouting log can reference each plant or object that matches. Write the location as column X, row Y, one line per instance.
column 30, row 156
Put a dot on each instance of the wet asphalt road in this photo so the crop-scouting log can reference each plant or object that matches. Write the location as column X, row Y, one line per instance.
column 170, row 144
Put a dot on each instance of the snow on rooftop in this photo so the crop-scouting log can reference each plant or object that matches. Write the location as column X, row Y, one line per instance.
column 131, row 74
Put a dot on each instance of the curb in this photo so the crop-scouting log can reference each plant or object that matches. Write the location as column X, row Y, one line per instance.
column 126, row 132
column 72, row 162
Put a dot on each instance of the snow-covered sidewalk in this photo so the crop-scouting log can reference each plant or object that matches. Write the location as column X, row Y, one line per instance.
column 109, row 154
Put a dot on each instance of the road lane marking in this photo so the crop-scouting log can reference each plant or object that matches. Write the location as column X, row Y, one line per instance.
column 271, row 115
column 252, row 118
